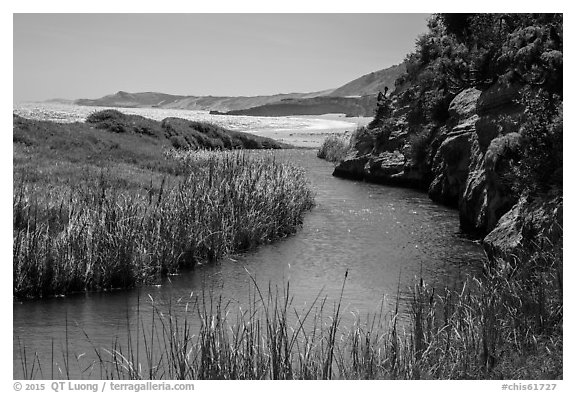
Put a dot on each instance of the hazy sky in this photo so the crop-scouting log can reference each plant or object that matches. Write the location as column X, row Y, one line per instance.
column 91, row 55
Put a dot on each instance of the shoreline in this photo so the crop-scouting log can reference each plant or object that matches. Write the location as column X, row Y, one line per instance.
column 307, row 131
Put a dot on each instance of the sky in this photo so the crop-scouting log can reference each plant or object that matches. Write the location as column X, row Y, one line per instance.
column 75, row 56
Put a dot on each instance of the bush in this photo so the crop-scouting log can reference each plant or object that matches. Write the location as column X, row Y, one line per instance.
column 419, row 143
column 540, row 168
column 178, row 142
column 116, row 121
column 334, row 148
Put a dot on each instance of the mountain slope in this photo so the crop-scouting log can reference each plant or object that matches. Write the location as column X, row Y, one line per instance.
column 350, row 106
column 161, row 100
column 371, row 83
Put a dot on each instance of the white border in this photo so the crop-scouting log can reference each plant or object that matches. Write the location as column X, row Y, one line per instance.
column 248, row 6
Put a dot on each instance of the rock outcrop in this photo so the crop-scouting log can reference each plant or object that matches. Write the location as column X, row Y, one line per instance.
column 526, row 230
column 468, row 165
column 453, row 158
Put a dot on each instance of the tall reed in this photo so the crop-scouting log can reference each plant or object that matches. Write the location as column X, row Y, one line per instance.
column 95, row 235
column 507, row 325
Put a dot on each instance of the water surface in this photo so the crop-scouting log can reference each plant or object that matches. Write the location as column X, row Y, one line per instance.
column 385, row 237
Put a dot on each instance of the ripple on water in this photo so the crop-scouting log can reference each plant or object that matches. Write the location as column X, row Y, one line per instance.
column 386, row 238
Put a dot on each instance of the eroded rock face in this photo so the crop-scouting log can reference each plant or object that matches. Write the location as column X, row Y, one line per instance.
column 487, row 195
column 529, row 227
column 472, row 204
column 452, row 159
column 451, row 168
column 377, row 156
column 392, row 168
column 469, row 158
column 469, row 164
column 463, row 107
column 386, row 164
column 353, row 166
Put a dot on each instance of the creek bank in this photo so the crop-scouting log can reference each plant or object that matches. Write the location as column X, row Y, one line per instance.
column 467, row 163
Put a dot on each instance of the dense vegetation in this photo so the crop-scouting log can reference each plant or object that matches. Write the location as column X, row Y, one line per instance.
column 479, row 50
column 333, row 148
column 100, row 209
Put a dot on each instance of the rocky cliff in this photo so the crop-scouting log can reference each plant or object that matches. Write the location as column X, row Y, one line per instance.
column 465, row 162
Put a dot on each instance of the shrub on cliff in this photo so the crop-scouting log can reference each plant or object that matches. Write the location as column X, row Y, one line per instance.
column 465, row 50
column 418, row 144
column 540, row 168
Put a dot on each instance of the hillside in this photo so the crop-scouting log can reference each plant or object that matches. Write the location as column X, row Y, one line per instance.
column 314, row 103
column 350, row 106
column 160, row 100
column 110, row 136
column 132, row 100
column 371, row 83
column 355, row 98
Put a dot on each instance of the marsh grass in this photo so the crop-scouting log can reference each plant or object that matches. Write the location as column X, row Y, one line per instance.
column 334, row 148
column 95, row 234
column 507, row 325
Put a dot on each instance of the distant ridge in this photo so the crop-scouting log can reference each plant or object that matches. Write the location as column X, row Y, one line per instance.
column 160, row 100
column 371, row 83
column 322, row 101
column 59, row 101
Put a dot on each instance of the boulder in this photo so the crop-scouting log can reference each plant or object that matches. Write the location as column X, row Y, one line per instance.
column 463, row 106
column 526, row 229
column 386, row 164
column 352, row 167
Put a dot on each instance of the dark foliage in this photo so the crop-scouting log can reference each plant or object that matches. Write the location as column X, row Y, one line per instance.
column 477, row 50
column 115, row 121
column 540, row 168
column 383, row 111
column 181, row 133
